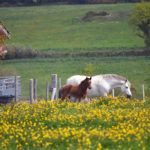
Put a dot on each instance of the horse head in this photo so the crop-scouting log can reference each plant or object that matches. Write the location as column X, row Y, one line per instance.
column 87, row 82
column 126, row 89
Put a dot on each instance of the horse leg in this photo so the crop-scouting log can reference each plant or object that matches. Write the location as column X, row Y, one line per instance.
column 62, row 95
column 79, row 99
column 104, row 95
column 73, row 99
column 66, row 95
column 86, row 99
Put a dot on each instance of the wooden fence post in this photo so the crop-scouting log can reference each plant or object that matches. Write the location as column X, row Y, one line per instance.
column 17, row 88
column 31, row 91
column 54, row 86
column 35, row 89
column 143, row 91
column 47, row 91
column 113, row 93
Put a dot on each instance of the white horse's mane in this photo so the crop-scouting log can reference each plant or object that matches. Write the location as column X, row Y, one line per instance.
column 115, row 76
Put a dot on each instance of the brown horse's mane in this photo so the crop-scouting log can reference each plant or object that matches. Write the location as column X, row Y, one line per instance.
column 83, row 85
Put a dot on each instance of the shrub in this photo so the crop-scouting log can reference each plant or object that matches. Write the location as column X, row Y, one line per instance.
column 140, row 18
column 18, row 52
column 88, row 69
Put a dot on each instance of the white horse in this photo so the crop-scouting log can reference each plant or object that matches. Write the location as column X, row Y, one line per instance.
column 101, row 85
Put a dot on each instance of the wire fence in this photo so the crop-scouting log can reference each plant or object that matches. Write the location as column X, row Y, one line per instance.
column 10, row 88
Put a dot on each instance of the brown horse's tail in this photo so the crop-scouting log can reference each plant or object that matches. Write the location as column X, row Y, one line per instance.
column 60, row 93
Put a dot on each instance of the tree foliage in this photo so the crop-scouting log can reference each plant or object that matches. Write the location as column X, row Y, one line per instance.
column 141, row 19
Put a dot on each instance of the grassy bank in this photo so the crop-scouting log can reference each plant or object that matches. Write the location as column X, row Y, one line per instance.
column 136, row 69
column 62, row 27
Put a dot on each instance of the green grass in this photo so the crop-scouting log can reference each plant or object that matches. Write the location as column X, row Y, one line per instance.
column 136, row 69
column 58, row 28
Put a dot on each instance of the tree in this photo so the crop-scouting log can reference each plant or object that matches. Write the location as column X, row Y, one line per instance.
column 141, row 19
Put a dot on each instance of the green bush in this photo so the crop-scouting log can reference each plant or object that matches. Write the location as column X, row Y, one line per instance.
column 88, row 69
column 141, row 19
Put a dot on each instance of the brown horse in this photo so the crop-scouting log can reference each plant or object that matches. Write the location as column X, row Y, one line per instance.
column 76, row 91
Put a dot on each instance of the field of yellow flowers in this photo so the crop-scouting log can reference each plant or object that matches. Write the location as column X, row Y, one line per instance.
column 106, row 123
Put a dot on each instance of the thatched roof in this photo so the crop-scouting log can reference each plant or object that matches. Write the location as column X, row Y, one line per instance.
column 4, row 33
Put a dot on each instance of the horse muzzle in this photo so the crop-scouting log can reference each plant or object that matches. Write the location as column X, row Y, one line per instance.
column 129, row 96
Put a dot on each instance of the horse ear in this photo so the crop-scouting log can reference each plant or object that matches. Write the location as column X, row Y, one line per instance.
column 90, row 78
column 126, row 81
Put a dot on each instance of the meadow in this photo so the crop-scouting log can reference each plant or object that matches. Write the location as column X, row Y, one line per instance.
column 61, row 28
column 135, row 69
column 110, row 123
column 105, row 123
